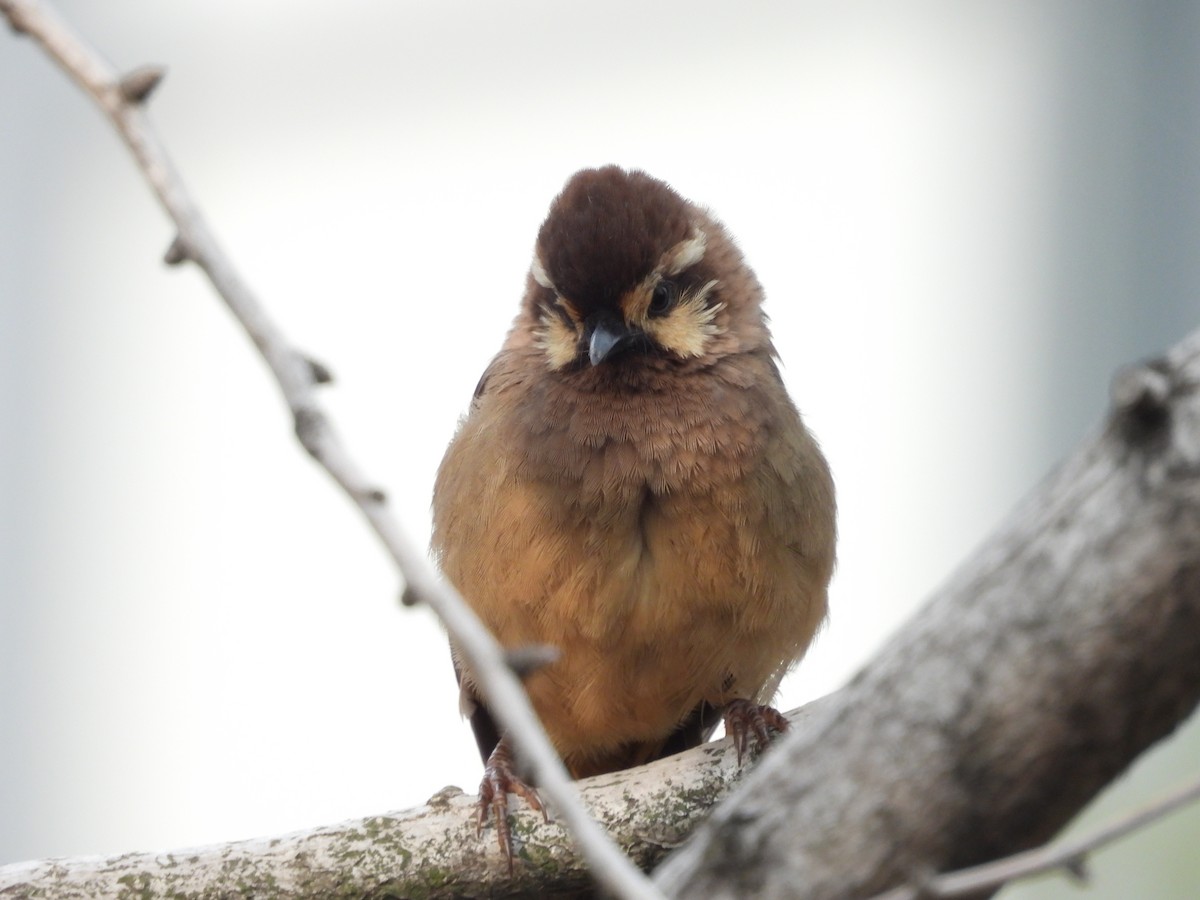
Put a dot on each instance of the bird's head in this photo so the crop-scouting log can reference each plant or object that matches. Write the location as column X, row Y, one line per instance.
column 626, row 271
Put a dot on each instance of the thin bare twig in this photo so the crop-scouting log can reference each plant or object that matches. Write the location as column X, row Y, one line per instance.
column 1068, row 855
column 120, row 98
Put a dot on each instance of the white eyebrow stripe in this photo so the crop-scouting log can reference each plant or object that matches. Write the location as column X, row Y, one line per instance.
column 702, row 295
column 686, row 253
column 538, row 271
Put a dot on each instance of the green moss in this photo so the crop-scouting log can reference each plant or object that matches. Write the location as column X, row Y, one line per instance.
column 377, row 827
column 135, row 887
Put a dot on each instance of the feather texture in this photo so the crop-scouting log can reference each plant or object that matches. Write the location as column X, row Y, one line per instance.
column 663, row 518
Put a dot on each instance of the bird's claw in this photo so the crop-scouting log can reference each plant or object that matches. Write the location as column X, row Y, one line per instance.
column 499, row 780
column 746, row 721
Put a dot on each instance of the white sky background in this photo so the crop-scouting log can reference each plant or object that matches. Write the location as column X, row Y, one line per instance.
column 199, row 641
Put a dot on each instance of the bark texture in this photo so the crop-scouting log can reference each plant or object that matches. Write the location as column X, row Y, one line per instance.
column 1064, row 648
column 428, row 852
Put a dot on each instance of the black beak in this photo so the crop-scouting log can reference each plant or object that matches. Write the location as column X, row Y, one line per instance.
column 608, row 336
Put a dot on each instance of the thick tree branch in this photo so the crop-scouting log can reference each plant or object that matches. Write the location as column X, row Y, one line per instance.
column 431, row 851
column 121, row 98
column 1065, row 647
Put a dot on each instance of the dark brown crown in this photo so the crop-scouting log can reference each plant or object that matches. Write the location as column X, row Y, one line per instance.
column 606, row 232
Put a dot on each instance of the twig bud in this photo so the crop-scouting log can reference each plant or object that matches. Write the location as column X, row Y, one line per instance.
column 320, row 372
column 177, row 253
column 1077, row 868
column 137, row 85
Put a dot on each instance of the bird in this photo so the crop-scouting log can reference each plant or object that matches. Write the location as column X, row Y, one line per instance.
column 633, row 487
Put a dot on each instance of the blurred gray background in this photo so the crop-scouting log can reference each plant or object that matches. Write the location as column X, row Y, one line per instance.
column 966, row 216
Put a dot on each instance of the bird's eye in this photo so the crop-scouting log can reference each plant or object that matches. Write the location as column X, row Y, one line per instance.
column 663, row 299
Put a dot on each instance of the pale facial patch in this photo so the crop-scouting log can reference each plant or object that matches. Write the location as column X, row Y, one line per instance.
column 688, row 328
column 557, row 339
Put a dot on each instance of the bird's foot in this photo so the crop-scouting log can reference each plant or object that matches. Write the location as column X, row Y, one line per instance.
column 748, row 723
column 499, row 780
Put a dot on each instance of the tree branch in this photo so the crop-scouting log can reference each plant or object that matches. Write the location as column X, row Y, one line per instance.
column 431, row 851
column 1069, row 855
column 121, row 98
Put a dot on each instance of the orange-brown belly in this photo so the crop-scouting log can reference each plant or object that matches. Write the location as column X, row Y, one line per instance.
column 652, row 612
